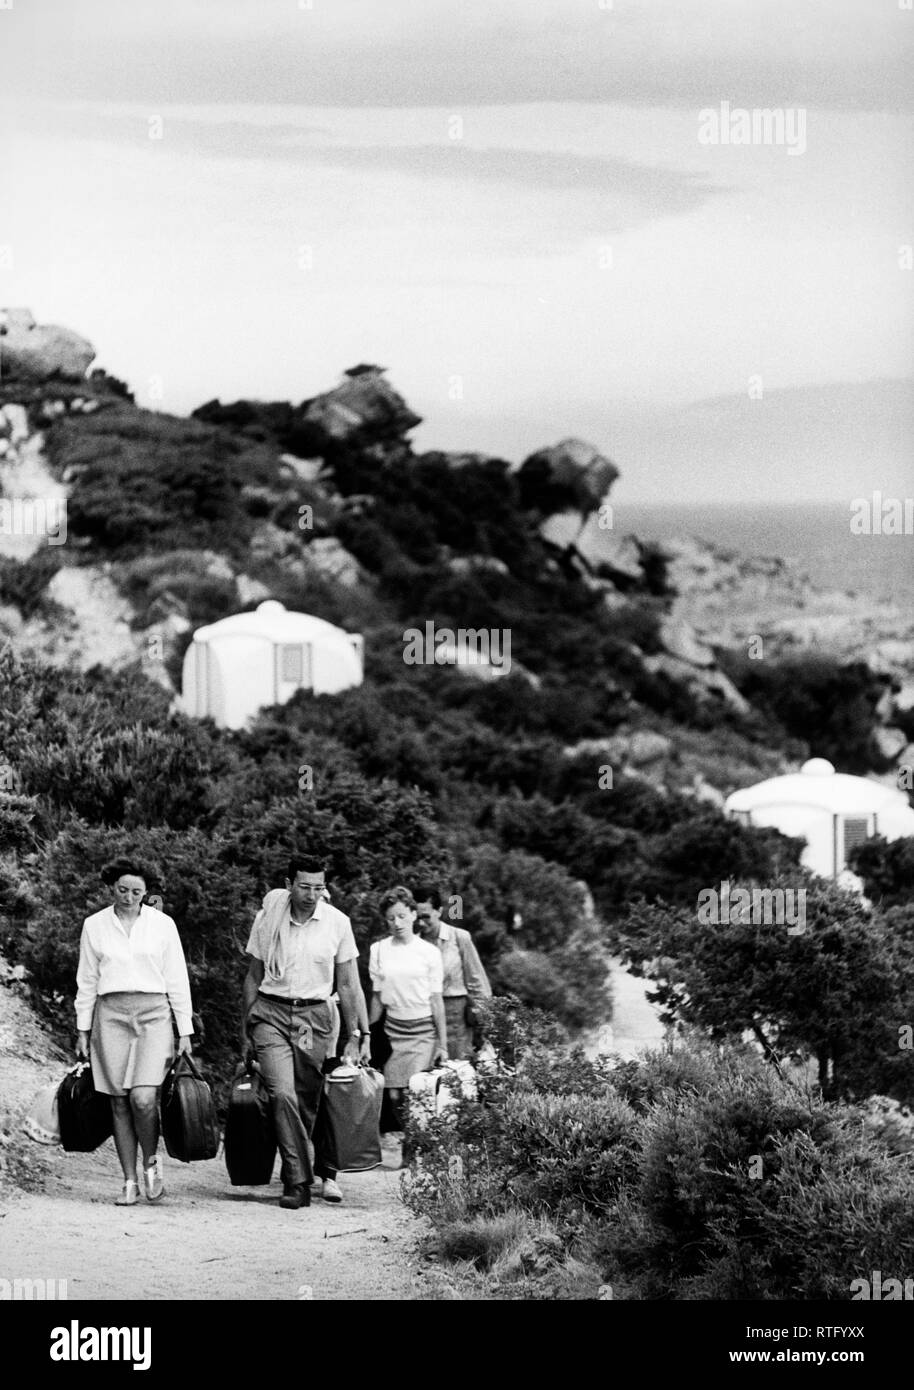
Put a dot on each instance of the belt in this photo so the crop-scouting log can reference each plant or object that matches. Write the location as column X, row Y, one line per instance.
column 293, row 1003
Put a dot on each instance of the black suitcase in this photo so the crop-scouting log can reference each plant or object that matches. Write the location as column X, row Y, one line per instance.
column 250, row 1136
column 189, row 1125
column 85, row 1115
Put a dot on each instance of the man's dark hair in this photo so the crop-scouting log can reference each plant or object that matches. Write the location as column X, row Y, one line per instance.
column 137, row 868
column 428, row 893
column 304, row 864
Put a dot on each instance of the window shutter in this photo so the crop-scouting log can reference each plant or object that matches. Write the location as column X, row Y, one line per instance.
column 856, row 830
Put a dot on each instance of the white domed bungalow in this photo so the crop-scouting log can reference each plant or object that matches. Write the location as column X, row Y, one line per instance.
column 236, row 666
column 831, row 810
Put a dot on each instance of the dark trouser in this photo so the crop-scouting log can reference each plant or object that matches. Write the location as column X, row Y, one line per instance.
column 293, row 1077
column 459, row 1036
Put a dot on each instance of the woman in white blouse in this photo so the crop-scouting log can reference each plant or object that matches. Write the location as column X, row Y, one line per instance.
column 408, row 976
column 132, row 976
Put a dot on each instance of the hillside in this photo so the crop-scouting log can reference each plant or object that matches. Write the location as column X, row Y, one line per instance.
column 497, row 788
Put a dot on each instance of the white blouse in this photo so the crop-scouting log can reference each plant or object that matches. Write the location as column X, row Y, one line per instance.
column 406, row 975
column 149, row 959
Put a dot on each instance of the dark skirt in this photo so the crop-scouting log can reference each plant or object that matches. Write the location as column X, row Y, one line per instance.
column 412, row 1042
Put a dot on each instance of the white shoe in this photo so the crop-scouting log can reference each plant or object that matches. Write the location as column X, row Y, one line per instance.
column 129, row 1193
column 155, row 1182
column 331, row 1191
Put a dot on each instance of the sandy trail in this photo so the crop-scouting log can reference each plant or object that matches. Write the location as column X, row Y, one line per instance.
column 207, row 1239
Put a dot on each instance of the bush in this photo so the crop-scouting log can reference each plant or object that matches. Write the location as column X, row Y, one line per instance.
column 698, row 1174
column 887, row 869
column 829, row 705
column 23, row 583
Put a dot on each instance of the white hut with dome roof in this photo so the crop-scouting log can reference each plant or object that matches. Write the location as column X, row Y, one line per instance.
column 832, row 811
column 236, row 666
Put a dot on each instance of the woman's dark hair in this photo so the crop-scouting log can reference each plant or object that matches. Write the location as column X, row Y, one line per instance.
column 399, row 894
column 304, row 864
column 151, row 874
column 428, row 893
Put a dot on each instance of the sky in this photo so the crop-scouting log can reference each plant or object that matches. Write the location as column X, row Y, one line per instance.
column 509, row 204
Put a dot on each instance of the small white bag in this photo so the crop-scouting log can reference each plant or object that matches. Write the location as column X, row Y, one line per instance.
column 431, row 1093
column 41, row 1122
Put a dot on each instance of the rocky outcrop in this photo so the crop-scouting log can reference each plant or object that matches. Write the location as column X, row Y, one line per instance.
column 681, row 640
column 95, row 623
column 40, row 352
column 476, row 564
column 768, row 607
column 708, row 686
column 625, row 750
column 326, row 556
column 364, row 404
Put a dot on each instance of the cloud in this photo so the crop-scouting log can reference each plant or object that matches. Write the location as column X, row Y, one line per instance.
column 844, row 54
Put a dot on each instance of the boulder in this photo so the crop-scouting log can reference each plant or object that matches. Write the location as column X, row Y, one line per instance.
column 904, row 698
column 896, row 653
column 251, row 590
column 702, row 790
column 216, row 566
column 704, row 684
column 617, row 556
column 890, row 742
column 561, row 529
column 363, row 403
column 680, row 639
column 645, row 747
column 638, row 748
column 41, row 352
column 14, row 423
column 271, row 542
column 471, row 564
column 167, row 605
column 10, row 620
column 572, row 468
column 304, row 470
column 327, row 556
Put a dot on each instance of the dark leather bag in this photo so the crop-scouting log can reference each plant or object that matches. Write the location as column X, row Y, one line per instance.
column 250, row 1136
column 189, row 1125
column 85, row 1116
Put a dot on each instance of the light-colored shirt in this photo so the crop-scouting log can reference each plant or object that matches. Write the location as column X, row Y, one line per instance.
column 147, row 960
column 312, row 950
column 463, row 970
column 406, row 974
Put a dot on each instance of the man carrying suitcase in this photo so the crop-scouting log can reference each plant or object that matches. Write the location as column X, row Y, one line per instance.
column 297, row 943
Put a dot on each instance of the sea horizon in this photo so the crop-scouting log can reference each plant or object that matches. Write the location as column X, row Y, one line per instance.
column 816, row 536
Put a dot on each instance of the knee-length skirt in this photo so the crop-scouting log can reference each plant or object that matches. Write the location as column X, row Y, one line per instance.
column 132, row 1043
column 412, row 1041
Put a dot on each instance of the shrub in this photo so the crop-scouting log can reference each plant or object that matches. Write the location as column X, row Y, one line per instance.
column 23, row 583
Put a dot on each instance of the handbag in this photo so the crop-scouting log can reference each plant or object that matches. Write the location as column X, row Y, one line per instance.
column 42, row 1120
column 250, row 1136
column 84, row 1114
column 347, row 1132
column 431, row 1093
column 189, row 1125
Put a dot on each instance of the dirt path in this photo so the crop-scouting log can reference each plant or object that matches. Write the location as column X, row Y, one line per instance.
column 206, row 1239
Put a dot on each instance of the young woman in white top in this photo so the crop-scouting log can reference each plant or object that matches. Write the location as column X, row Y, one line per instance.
column 407, row 976
column 132, row 977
